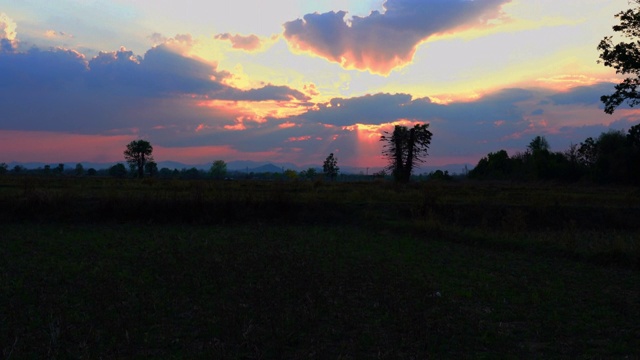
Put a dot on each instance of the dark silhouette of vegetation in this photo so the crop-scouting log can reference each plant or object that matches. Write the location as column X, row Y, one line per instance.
column 310, row 173
column 79, row 170
column 151, row 168
column 4, row 168
column 440, row 175
column 191, row 174
column 613, row 157
column 59, row 170
column 330, row 167
column 218, row 169
column 625, row 58
column 118, row 170
column 405, row 148
column 138, row 154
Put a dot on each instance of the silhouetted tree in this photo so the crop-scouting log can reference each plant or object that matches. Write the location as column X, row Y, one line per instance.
column 218, row 169
column 191, row 174
column 588, row 152
column 633, row 137
column 613, row 157
column 405, row 148
column 137, row 154
column 79, row 170
column 625, row 58
column 310, row 173
column 118, row 170
column 59, row 169
column 290, row 174
column 440, row 175
column 495, row 166
column 3, row 168
column 330, row 167
column 538, row 144
column 151, row 168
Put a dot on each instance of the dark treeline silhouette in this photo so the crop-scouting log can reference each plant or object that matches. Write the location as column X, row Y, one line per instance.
column 611, row 158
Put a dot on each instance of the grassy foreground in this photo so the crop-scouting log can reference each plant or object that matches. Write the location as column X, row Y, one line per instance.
column 429, row 278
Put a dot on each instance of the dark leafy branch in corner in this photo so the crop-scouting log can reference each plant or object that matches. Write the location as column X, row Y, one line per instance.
column 624, row 57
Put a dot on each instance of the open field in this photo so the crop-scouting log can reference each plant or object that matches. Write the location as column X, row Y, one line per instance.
column 109, row 268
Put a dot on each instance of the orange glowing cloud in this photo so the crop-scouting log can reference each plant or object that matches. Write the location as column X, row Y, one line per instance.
column 299, row 138
column 237, row 127
column 382, row 42
column 287, row 125
column 258, row 110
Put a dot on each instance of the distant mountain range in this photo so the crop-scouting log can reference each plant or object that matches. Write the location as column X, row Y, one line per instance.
column 250, row 166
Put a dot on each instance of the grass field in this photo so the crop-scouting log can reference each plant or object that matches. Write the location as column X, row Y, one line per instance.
column 102, row 268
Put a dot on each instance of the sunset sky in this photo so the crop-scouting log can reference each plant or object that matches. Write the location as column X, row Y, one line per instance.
column 295, row 80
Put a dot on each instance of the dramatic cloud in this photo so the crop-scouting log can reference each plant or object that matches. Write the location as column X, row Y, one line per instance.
column 382, row 41
column 266, row 93
column 248, row 43
column 584, row 94
column 59, row 90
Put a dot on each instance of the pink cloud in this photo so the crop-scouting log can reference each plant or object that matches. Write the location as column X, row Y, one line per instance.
column 286, row 125
column 381, row 42
column 299, row 138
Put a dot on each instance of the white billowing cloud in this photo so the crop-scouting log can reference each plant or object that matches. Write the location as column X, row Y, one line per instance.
column 7, row 33
column 7, row 27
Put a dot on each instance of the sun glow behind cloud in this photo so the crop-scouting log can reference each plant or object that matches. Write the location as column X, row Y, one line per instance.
column 256, row 111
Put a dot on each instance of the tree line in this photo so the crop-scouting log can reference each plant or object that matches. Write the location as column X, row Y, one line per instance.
column 612, row 157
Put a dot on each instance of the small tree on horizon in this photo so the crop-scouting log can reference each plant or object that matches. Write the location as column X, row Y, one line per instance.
column 310, row 173
column 538, row 144
column 137, row 154
column 79, row 170
column 330, row 167
column 218, row 169
column 118, row 170
column 151, row 168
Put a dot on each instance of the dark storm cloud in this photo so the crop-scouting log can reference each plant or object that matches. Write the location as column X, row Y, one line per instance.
column 160, row 72
column 586, row 95
column 265, row 93
column 385, row 108
column 59, row 90
column 382, row 41
column 368, row 109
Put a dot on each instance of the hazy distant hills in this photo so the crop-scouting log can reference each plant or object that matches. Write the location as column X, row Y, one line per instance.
column 250, row 167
